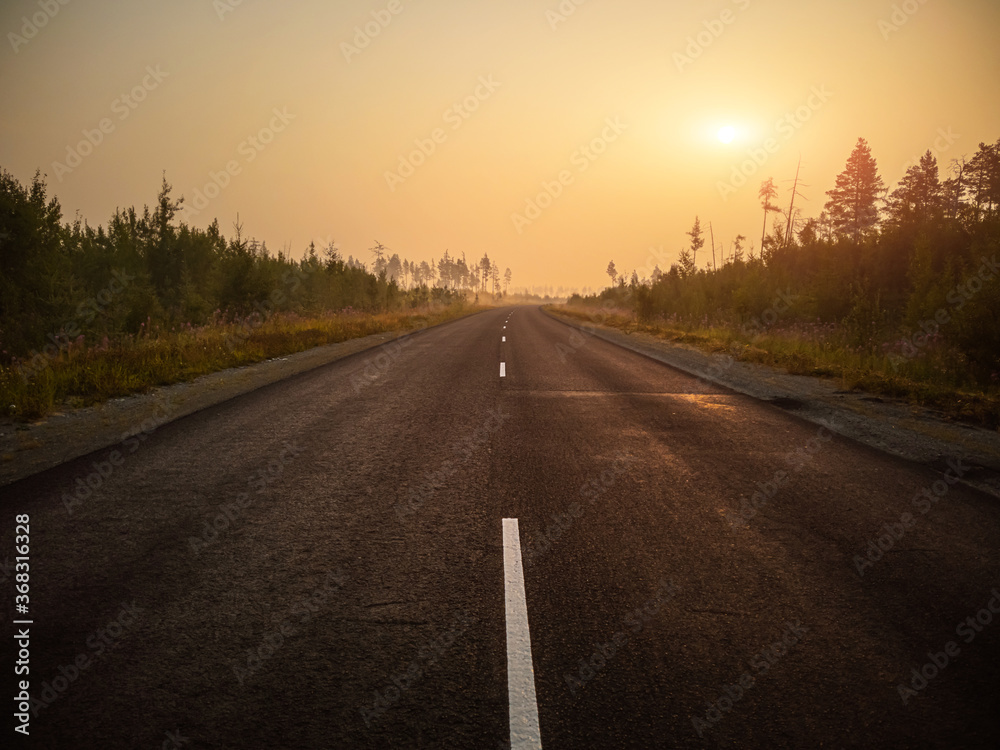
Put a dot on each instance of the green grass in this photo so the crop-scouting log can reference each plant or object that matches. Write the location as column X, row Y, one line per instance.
column 82, row 376
column 938, row 378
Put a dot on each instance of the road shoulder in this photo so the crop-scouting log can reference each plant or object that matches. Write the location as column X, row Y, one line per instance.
column 27, row 449
column 890, row 425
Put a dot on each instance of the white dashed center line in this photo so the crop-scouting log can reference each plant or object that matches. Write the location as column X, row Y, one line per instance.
column 522, row 705
column 503, row 370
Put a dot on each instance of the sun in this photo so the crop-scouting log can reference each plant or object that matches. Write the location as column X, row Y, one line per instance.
column 726, row 133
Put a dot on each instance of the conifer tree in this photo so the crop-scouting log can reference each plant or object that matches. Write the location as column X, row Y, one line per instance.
column 853, row 204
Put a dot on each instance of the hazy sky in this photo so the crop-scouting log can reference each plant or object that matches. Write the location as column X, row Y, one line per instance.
column 430, row 124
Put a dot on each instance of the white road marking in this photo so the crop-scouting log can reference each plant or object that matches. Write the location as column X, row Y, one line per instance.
column 503, row 370
column 504, row 339
column 522, row 705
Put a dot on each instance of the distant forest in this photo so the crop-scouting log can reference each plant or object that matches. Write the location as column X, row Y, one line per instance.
column 62, row 281
column 901, row 273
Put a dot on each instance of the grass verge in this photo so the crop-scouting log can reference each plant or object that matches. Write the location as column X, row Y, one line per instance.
column 937, row 379
column 81, row 376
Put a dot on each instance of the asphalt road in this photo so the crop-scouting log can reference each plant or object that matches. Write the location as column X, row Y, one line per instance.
column 320, row 564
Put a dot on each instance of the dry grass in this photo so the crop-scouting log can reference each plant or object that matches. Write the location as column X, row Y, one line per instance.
column 80, row 375
column 938, row 378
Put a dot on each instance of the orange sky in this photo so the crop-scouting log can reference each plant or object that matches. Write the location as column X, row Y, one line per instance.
column 436, row 131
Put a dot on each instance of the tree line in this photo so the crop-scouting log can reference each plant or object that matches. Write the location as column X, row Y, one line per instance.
column 63, row 280
column 451, row 272
column 900, row 271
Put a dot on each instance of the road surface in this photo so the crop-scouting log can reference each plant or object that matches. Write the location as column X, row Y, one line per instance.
column 322, row 563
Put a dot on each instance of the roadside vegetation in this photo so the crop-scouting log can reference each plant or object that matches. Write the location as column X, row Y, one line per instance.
column 894, row 293
column 88, row 314
column 82, row 374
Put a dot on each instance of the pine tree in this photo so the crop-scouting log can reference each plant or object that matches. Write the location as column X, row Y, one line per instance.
column 852, row 207
column 918, row 201
column 685, row 263
column 461, row 272
column 738, row 249
column 984, row 181
column 445, row 268
column 809, row 233
column 485, row 266
column 697, row 241
column 954, row 189
column 163, row 260
column 767, row 193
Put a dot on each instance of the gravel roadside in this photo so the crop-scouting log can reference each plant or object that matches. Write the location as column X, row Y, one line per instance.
column 896, row 427
column 26, row 449
column 890, row 425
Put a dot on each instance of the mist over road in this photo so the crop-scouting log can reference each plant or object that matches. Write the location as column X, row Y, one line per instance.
column 321, row 563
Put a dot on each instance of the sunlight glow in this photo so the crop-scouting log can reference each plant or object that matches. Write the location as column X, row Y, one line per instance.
column 726, row 133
